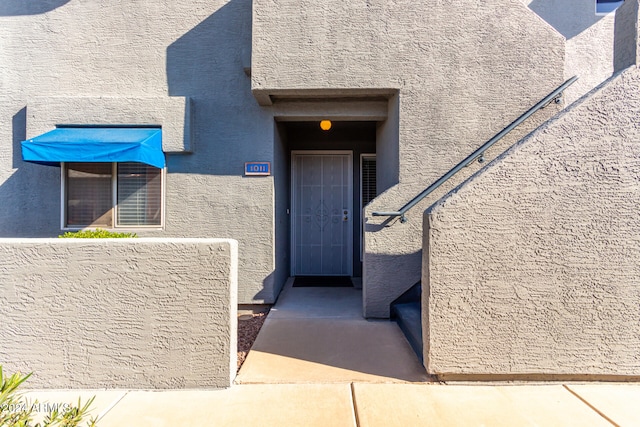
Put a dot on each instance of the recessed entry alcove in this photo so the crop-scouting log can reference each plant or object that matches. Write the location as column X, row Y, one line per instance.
column 330, row 175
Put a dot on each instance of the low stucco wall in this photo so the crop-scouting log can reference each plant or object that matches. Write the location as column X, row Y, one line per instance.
column 119, row 313
column 532, row 266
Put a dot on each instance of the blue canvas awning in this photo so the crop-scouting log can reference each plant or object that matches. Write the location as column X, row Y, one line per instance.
column 96, row 144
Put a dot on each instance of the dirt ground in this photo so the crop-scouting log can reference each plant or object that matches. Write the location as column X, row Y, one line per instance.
column 249, row 325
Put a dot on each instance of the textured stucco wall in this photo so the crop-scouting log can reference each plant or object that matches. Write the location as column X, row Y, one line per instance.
column 282, row 226
column 173, row 114
column 626, row 35
column 119, row 313
column 589, row 41
column 96, row 62
column 458, row 82
column 532, row 266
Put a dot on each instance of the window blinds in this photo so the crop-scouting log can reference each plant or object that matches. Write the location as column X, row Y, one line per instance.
column 139, row 189
column 368, row 179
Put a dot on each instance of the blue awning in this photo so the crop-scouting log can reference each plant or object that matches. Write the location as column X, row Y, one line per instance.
column 96, row 144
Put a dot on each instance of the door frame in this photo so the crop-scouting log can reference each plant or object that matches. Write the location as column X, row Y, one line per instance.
column 292, row 224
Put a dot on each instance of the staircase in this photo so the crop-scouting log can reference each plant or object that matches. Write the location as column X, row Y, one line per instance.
column 407, row 309
column 407, row 312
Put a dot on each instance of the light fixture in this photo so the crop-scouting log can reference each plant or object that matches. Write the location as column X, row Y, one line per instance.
column 325, row 124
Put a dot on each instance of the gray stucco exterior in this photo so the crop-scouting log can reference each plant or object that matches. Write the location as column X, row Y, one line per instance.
column 531, row 266
column 589, row 41
column 231, row 82
column 177, row 65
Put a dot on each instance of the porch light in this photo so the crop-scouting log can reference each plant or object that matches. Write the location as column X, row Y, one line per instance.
column 325, row 124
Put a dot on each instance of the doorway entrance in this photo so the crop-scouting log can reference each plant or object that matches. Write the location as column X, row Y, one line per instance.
column 319, row 177
column 322, row 213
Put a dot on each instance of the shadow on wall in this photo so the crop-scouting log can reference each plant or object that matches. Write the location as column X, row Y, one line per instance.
column 271, row 287
column 29, row 7
column 207, row 60
column 18, row 192
column 565, row 17
column 625, row 40
column 207, row 65
column 408, row 268
column 19, row 129
column 387, row 277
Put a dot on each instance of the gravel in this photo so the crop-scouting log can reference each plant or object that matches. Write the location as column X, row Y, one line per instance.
column 249, row 325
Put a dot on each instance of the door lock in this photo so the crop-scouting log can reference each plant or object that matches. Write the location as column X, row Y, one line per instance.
column 345, row 215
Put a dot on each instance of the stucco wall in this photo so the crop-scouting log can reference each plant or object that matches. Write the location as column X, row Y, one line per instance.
column 282, row 226
column 119, row 313
column 173, row 114
column 532, row 266
column 92, row 62
column 589, row 40
column 458, row 82
column 626, row 35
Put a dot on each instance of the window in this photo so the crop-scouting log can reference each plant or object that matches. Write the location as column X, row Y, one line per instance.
column 369, row 191
column 368, row 188
column 111, row 195
column 139, row 189
column 607, row 6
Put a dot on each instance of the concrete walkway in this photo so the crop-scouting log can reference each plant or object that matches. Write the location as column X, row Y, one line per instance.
column 318, row 335
column 318, row 363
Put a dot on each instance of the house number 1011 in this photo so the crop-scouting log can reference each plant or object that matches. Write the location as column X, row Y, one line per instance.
column 257, row 168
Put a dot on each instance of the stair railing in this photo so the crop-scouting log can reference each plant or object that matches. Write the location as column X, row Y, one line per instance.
column 555, row 96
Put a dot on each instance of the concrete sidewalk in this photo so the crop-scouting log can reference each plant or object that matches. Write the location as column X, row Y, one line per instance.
column 365, row 404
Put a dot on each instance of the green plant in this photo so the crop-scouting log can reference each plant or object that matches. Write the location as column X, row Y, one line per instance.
column 15, row 411
column 98, row 233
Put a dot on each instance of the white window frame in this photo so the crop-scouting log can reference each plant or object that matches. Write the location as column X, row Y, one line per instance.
column 362, row 157
column 114, row 202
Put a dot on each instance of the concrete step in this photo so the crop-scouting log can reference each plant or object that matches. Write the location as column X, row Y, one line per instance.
column 408, row 315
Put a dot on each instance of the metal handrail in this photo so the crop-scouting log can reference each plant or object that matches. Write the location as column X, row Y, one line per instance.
column 554, row 96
